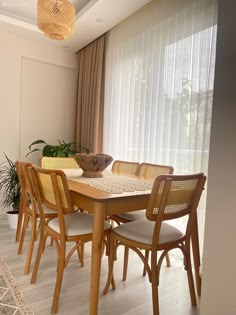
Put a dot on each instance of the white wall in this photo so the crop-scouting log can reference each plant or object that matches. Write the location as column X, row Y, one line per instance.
column 37, row 95
column 219, row 276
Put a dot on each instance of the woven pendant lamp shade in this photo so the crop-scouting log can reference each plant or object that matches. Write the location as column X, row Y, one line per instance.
column 56, row 18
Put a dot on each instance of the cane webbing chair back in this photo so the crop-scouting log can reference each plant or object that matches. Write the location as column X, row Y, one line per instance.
column 54, row 190
column 149, row 170
column 125, row 167
column 174, row 196
column 27, row 194
column 22, row 180
column 58, row 162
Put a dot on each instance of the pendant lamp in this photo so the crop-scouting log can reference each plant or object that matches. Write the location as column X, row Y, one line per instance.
column 56, row 18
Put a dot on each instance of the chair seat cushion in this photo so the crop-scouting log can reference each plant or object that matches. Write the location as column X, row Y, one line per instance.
column 133, row 215
column 142, row 232
column 72, row 172
column 46, row 210
column 76, row 224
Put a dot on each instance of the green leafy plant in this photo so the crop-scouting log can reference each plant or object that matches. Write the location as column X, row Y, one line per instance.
column 9, row 185
column 63, row 149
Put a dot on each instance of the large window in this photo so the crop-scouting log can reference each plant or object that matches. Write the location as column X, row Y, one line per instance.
column 159, row 85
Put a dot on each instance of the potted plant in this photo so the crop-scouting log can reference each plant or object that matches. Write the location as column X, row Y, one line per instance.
column 10, row 190
column 62, row 149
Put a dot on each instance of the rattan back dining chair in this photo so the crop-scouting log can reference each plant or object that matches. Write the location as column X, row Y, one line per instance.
column 172, row 197
column 65, row 163
column 52, row 191
column 147, row 171
column 58, row 162
column 30, row 210
column 125, row 167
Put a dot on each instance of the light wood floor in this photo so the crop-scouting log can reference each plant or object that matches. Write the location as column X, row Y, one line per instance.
column 132, row 297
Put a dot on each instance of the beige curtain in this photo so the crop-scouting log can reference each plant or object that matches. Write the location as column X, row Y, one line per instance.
column 90, row 96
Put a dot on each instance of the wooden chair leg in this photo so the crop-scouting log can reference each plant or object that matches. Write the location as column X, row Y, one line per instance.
column 51, row 242
column 38, row 230
column 146, row 257
column 80, row 251
column 168, row 263
column 111, row 258
column 19, row 222
column 126, row 258
column 38, row 258
column 60, row 272
column 155, row 298
column 190, row 281
column 196, row 256
column 31, row 246
column 154, row 282
column 167, row 257
column 22, row 236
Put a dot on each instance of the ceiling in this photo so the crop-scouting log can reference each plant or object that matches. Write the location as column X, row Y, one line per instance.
column 93, row 18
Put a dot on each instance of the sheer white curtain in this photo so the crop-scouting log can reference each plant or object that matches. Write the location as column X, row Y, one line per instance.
column 159, row 82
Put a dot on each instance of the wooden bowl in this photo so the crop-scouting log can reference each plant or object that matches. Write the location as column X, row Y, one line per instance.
column 93, row 164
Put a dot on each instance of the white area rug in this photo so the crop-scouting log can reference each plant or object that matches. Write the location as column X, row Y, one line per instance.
column 12, row 301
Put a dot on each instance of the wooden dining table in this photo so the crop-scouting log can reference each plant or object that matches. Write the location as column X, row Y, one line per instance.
column 103, row 204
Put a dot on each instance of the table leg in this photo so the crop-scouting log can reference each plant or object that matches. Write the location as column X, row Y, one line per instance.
column 196, row 255
column 98, row 235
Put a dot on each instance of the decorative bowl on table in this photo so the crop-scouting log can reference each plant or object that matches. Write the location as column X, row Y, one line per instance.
column 93, row 164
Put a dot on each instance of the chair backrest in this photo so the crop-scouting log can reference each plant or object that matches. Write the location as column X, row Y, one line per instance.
column 125, row 167
column 23, row 195
column 52, row 190
column 27, row 193
column 174, row 196
column 58, row 162
column 149, row 170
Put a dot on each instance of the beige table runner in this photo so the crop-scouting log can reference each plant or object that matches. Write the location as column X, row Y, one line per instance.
column 112, row 183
